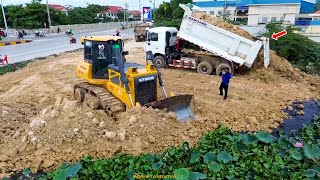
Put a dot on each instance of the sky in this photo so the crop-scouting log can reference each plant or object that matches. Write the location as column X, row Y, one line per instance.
column 133, row 4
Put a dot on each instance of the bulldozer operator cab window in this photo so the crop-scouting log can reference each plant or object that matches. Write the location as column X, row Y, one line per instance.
column 88, row 51
column 101, row 59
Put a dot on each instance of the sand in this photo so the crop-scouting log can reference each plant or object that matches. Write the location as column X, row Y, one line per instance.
column 222, row 24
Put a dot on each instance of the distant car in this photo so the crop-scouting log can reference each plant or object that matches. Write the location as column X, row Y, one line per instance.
column 3, row 33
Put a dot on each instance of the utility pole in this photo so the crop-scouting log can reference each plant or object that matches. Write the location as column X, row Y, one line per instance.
column 139, row 5
column 4, row 17
column 154, row 9
column 125, row 13
column 224, row 9
column 49, row 19
column 140, row 8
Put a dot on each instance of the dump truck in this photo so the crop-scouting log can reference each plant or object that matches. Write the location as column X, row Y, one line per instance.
column 226, row 48
column 140, row 31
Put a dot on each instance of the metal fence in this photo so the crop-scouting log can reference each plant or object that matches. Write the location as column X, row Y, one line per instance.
column 307, row 22
column 78, row 27
column 82, row 27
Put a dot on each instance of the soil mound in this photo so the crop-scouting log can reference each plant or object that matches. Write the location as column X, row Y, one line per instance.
column 222, row 24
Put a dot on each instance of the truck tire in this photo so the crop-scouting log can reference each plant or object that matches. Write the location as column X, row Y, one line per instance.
column 136, row 38
column 160, row 62
column 205, row 67
column 222, row 66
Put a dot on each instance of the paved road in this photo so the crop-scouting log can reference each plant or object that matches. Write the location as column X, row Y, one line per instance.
column 49, row 45
column 316, row 38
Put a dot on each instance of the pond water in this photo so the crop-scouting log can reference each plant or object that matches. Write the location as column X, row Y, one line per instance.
column 296, row 121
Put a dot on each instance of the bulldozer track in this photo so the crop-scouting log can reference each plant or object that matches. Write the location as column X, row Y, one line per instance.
column 110, row 104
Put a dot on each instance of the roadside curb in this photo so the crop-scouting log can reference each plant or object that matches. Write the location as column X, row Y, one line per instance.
column 14, row 42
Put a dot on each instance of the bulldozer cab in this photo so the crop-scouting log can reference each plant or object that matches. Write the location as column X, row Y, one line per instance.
column 99, row 53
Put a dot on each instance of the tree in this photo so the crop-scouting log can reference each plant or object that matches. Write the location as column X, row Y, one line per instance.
column 32, row 16
column 298, row 49
column 163, row 12
column 86, row 15
column 121, row 15
column 170, row 13
column 318, row 5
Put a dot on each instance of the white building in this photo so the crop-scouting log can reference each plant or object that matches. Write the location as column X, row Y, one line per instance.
column 316, row 16
column 264, row 11
column 216, row 8
column 255, row 12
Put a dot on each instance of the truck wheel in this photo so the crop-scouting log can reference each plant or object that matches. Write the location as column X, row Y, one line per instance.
column 205, row 67
column 160, row 62
column 137, row 39
column 222, row 66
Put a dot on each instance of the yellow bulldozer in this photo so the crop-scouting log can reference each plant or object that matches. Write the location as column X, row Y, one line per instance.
column 114, row 85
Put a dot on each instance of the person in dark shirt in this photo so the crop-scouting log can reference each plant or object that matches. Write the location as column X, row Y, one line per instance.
column 118, row 33
column 226, row 76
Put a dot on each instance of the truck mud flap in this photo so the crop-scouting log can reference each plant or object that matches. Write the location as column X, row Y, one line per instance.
column 182, row 105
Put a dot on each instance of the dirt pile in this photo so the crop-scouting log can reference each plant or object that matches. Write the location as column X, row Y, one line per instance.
column 66, row 131
column 41, row 125
column 222, row 24
column 280, row 67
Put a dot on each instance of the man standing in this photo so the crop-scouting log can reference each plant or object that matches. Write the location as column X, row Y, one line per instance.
column 118, row 33
column 226, row 76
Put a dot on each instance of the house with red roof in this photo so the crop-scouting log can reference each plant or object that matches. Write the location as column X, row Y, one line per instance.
column 315, row 15
column 135, row 15
column 58, row 8
column 113, row 11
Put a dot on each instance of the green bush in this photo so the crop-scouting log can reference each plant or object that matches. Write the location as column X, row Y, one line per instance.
column 11, row 68
column 302, row 52
column 220, row 154
column 169, row 23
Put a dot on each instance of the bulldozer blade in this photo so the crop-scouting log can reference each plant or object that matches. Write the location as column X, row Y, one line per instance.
column 182, row 105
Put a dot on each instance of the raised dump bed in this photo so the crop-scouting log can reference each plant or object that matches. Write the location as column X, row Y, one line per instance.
column 221, row 42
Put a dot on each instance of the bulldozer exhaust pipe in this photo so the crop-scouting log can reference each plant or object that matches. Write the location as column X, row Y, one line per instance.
column 182, row 105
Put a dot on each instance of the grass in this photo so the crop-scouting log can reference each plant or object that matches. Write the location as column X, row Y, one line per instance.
column 12, row 68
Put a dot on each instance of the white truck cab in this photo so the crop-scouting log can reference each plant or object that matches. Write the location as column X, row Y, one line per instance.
column 160, row 40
